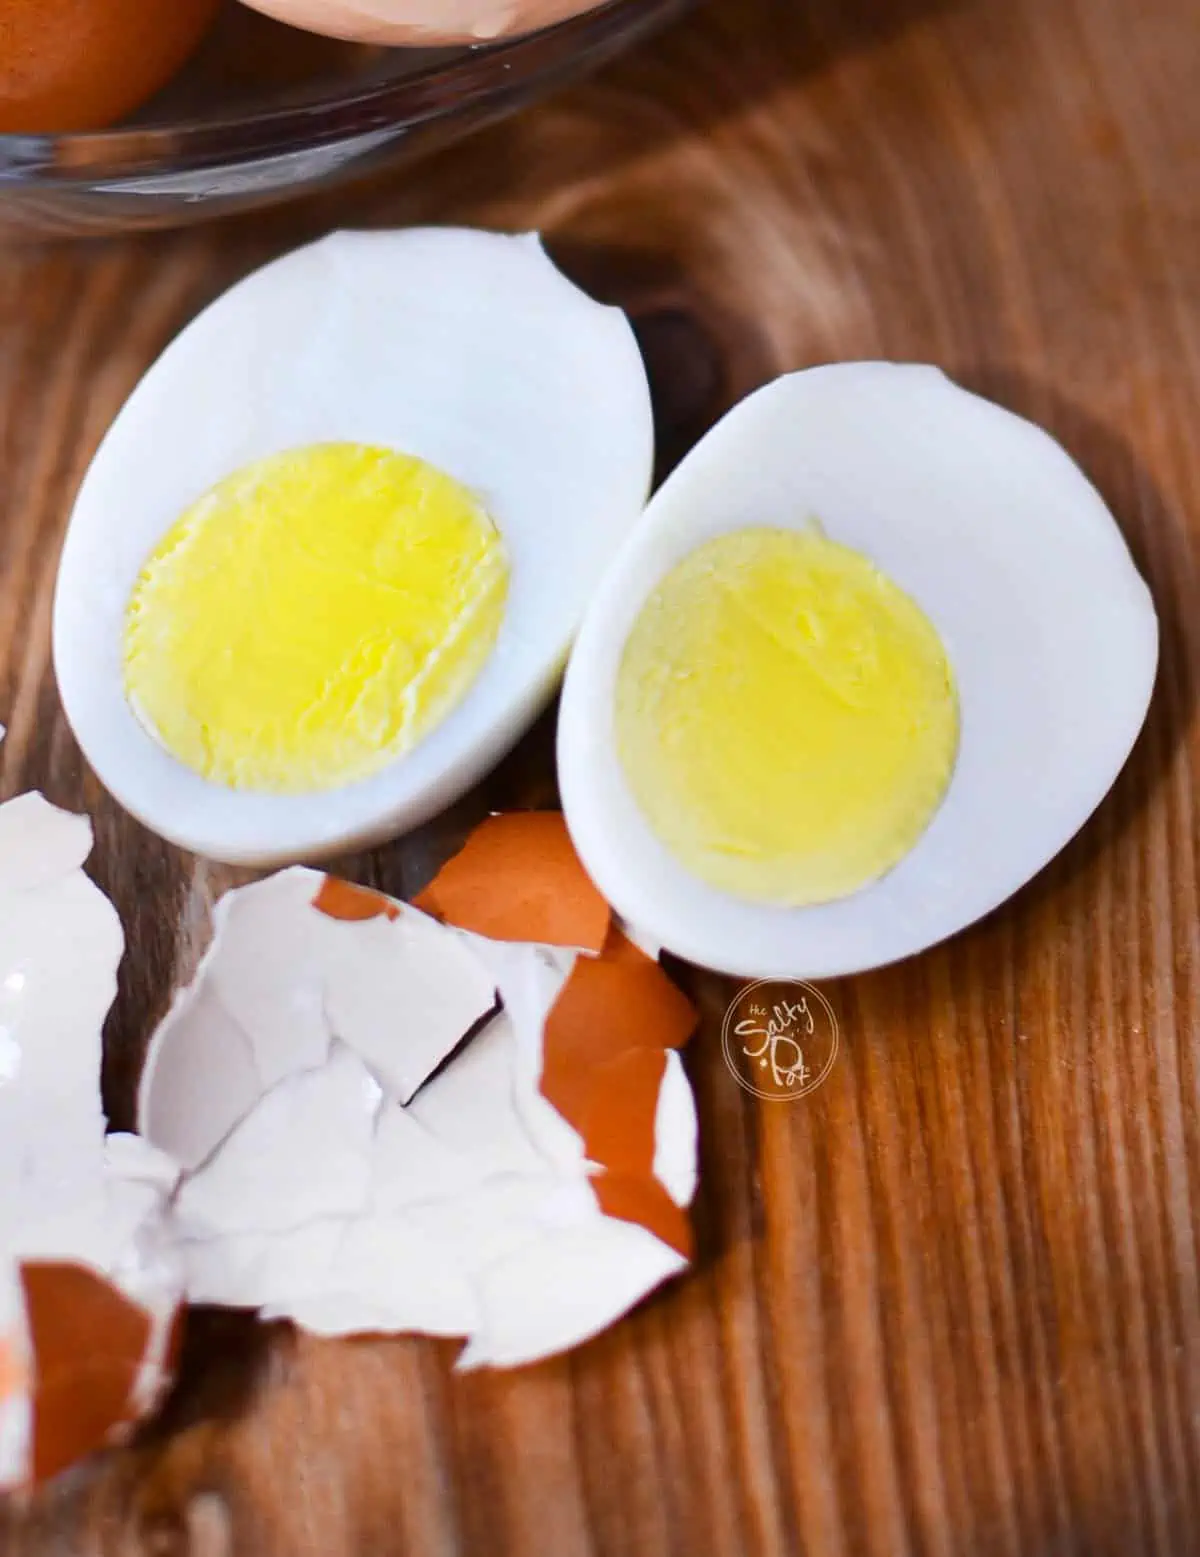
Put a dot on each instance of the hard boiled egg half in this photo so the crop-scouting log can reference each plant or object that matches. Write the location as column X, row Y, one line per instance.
column 873, row 655
column 328, row 562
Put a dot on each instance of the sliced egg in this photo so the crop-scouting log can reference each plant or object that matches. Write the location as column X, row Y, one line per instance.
column 872, row 657
column 328, row 562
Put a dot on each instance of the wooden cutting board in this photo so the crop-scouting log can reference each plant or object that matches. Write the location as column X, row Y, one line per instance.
column 949, row 1302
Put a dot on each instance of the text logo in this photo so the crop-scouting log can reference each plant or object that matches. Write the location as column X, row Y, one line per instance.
column 780, row 1039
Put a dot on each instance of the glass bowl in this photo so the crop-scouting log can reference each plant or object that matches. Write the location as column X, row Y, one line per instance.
column 264, row 113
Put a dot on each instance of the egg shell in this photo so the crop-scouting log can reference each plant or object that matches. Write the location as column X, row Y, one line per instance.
column 430, row 1207
column 617, row 1122
column 262, row 1179
column 94, row 1372
column 645, row 1204
column 283, row 978
column 568, row 1289
column 518, row 878
column 530, row 981
column 422, row 22
column 471, row 1106
column 990, row 527
column 676, row 1134
column 467, row 349
column 90, row 1279
column 608, row 1007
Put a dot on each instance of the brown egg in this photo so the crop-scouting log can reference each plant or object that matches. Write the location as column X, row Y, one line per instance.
column 422, row 21
column 81, row 64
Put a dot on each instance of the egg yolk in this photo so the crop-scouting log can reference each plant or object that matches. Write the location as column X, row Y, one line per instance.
column 786, row 717
column 313, row 617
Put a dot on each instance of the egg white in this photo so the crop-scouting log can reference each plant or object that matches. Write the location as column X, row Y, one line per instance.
column 467, row 349
column 985, row 521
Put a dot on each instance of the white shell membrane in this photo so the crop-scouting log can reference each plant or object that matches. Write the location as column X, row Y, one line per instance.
column 986, row 522
column 468, row 349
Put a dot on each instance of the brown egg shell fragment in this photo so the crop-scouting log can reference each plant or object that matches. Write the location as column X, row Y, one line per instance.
column 470, row 1107
column 301, row 1155
column 607, row 1043
column 607, row 1006
column 618, row 1123
column 642, row 1200
column 89, row 1343
column 560, row 1292
column 529, row 980
column 39, row 844
column 298, row 961
column 343, row 900
column 89, row 1287
column 223, row 1044
column 404, row 994
column 622, row 947
column 469, row 1193
column 459, row 1254
column 518, row 878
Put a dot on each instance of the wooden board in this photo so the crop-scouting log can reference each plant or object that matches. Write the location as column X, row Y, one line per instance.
column 950, row 1302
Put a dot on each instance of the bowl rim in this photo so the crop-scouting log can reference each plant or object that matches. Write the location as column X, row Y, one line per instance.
column 320, row 118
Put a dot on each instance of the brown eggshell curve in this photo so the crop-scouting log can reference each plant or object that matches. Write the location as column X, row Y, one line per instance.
column 344, row 900
column 518, row 878
column 89, row 1342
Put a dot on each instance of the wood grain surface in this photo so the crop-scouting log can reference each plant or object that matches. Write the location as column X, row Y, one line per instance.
column 950, row 1303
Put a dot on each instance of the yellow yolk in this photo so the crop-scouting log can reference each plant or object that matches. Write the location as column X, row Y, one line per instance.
column 786, row 717
column 312, row 617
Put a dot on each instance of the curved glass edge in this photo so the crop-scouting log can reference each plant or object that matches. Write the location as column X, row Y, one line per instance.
column 329, row 131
